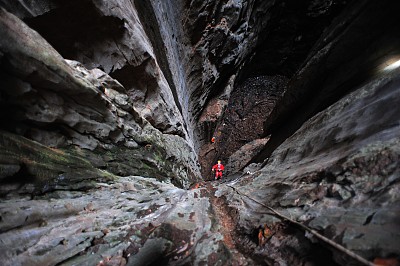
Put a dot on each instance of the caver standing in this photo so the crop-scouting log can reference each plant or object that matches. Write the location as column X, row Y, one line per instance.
column 218, row 168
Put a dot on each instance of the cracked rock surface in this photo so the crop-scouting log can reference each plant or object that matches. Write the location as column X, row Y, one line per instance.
column 340, row 180
column 128, row 221
column 61, row 104
column 107, row 110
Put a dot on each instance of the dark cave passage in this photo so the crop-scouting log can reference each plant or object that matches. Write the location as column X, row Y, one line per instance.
column 297, row 99
column 242, row 123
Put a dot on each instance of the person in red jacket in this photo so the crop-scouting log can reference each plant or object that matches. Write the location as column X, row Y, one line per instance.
column 218, row 168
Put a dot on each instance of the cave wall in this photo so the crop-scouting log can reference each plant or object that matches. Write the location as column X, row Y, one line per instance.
column 109, row 36
column 352, row 50
column 338, row 174
column 331, row 161
column 61, row 104
column 111, row 89
column 201, row 45
column 174, row 58
column 183, row 51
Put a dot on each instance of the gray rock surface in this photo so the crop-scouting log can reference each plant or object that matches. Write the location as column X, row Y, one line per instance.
column 61, row 104
column 169, row 56
column 243, row 156
column 339, row 174
column 104, row 106
column 343, row 58
column 109, row 36
column 129, row 221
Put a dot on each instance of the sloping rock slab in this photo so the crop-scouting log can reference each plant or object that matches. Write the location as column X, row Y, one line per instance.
column 133, row 221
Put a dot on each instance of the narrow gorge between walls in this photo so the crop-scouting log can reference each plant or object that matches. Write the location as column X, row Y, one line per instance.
column 113, row 113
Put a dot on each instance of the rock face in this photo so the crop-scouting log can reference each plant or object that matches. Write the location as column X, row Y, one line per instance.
column 342, row 59
column 61, row 104
column 211, row 45
column 130, row 222
column 338, row 174
column 109, row 36
column 107, row 109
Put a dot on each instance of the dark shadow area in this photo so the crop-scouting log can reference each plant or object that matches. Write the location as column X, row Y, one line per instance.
column 75, row 27
column 353, row 59
column 15, row 181
column 293, row 29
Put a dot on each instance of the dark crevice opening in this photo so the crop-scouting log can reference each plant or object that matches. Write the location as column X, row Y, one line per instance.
column 287, row 39
column 74, row 27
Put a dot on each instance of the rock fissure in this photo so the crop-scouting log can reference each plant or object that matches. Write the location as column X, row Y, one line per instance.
column 228, row 227
column 146, row 11
column 97, row 153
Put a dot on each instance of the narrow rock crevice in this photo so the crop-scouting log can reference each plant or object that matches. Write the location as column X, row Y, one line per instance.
column 300, row 101
column 226, row 218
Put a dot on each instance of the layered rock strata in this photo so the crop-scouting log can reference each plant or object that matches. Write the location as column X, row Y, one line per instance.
column 61, row 104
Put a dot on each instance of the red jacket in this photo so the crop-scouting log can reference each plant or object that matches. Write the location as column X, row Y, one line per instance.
column 218, row 167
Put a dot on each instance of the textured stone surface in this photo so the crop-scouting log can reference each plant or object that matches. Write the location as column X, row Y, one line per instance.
column 148, row 83
column 28, row 167
column 240, row 158
column 239, row 129
column 199, row 44
column 339, row 174
column 344, row 58
column 62, row 104
column 132, row 220
column 109, row 36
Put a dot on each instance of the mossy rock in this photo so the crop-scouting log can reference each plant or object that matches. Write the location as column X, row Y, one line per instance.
column 146, row 160
column 45, row 168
